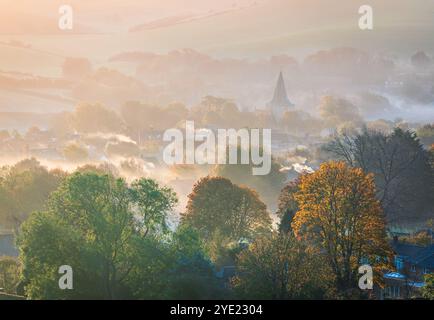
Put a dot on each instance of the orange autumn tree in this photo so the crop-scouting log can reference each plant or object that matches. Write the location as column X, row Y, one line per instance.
column 339, row 213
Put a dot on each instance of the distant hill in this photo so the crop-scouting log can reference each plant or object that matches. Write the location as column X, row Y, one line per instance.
column 21, row 121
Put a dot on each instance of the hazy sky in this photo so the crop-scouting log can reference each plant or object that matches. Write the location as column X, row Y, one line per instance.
column 31, row 43
column 247, row 28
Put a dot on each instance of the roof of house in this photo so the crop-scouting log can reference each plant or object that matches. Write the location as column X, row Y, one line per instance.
column 418, row 255
column 426, row 258
column 394, row 275
column 401, row 277
column 406, row 249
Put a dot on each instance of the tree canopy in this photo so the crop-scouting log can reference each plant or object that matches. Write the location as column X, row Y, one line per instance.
column 338, row 212
column 401, row 166
column 24, row 188
column 216, row 204
column 279, row 266
column 98, row 225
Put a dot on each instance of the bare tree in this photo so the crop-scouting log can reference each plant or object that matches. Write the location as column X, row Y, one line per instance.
column 403, row 175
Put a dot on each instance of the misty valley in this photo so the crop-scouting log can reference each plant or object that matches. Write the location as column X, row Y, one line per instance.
column 233, row 150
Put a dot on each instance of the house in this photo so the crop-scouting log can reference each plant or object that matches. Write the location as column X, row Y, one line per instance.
column 412, row 263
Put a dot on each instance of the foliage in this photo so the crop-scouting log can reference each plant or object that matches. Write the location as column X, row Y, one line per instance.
column 214, row 111
column 426, row 134
column 280, row 267
column 216, row 204
column 428, row 289
column 178, row 269
column 192, row 276
column 24, row 188
column 75, row 153
column 340, row 215
column 401, row 167
column 287, row 206
column 141, row 117
column 90, row 118
column 268, row 186
column 336, row 111
column 9, row 274
column 100, row 227
column 299, row 122
column 153, row 204
column 102, row 168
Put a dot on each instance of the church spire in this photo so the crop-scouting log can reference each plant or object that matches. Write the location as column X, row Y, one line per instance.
column 280, row 102
column 280, row 97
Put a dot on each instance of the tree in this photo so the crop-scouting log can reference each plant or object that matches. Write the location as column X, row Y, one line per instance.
column 420, row 60
column 152, row 203
column 299, row 122
column 426, row 134
column 337, row 110
column 98, row 225
column 75, row 153
column 33, row 133
column 401, row 166
column 280, row 267
column 268, row 186
column 192, row 275
column 138, row 117
column 428, row 289
column 9, row 274
column 24, row 188
column 178, row 268
column 338, row 213
column 287, row 206
column 141, row 117
column 90, row 118
column 214, row 111
column 102, row 168
column 217, row 205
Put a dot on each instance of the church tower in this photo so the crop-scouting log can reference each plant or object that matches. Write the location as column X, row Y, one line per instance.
column 280, row 102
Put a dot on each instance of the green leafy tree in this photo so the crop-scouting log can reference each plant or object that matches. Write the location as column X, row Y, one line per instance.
column 216, row 204
column 225, row 214
column 176, row 269
column 24, row 188
column 99, row 226
column 152, row 203
column 193, row 274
